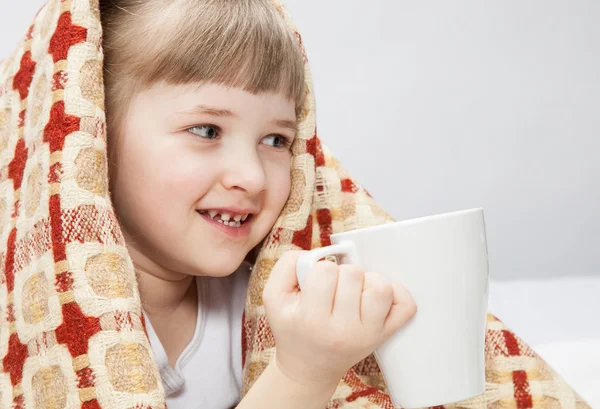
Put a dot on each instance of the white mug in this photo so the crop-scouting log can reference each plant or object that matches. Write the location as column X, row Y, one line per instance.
column 438, row 357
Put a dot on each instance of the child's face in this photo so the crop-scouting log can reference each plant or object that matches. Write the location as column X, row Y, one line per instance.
column 186, row 151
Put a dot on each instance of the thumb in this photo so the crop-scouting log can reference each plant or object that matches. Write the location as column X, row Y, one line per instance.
column 283, row 280
column 402, row 311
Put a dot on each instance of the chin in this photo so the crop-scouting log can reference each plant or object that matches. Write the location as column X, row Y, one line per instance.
column 219, row 266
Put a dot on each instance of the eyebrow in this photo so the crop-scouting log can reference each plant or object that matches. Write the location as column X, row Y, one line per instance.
column 286, row 123
column 203, row 109
column 218, row 112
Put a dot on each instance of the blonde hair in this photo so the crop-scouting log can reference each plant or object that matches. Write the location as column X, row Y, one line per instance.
column 236, row 43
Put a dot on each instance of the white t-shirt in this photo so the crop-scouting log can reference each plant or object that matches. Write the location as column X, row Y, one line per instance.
column 208, row 373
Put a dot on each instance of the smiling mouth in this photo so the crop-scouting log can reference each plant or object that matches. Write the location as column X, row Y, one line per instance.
column 226, row 219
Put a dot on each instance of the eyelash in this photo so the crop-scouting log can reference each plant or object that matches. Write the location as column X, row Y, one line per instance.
column 285, row 144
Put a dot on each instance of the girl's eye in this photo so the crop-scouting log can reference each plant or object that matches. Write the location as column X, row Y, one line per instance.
column 205, row 131
column 277, row 141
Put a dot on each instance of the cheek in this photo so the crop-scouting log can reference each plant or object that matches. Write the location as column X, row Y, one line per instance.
column 279, row 186
column 153, row 179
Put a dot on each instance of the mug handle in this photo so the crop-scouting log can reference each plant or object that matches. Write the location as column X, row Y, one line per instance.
column 308, row 260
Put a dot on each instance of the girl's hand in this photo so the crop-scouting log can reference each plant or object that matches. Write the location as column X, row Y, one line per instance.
column 339, row 317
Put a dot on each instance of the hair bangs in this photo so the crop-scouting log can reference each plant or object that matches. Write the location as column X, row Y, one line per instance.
column 237, row 43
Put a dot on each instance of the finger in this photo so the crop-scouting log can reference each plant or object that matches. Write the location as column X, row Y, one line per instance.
column 346, row 304
column 282, row 281
column 377, row 300
column 403, row 310
column 318, row 290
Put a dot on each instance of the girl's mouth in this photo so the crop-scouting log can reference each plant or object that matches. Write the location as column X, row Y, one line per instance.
column 227, row 219
column 235, row 225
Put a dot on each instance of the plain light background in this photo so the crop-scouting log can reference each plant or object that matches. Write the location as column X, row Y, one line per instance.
column 441, row 106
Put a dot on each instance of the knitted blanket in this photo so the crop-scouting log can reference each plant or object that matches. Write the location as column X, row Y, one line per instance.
column 71, row 330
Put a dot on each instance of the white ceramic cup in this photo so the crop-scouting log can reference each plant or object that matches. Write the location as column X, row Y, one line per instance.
column 438, row 358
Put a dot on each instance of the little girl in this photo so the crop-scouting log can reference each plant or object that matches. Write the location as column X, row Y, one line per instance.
column 202, row 115
column 215, row 166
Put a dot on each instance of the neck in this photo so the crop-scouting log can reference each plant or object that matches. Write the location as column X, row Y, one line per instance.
column 170, row 301
column 162, row 297
column 162, row 291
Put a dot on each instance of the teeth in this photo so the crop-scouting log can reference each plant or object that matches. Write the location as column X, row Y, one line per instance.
column 226, row 218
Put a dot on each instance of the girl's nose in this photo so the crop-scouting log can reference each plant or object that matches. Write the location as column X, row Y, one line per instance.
column 245, row 171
